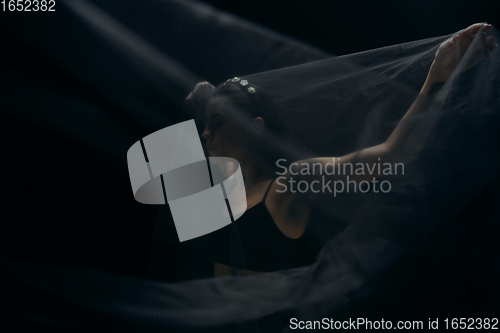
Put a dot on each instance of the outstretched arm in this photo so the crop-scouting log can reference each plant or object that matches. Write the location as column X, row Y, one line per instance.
column 447, row 57
column 397, row 148
column 449, row 54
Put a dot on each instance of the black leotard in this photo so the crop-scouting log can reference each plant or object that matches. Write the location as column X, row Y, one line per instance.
column 265, row 248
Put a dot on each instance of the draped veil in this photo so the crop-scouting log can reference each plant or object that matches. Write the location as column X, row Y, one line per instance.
column 333, row 105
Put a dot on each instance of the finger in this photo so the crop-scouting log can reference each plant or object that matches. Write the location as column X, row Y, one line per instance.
column 481, row 50
column 446, row 46
column 489, row 51
column 494, row 46
column 453, row 44
column 490, row 41
column 474, row 29
column 457, row 50
column 456, row 47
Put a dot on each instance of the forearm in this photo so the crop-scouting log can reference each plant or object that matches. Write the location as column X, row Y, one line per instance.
column 399, row 141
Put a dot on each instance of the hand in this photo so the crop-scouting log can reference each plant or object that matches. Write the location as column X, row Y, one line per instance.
column 200, row 94
column 451, row 52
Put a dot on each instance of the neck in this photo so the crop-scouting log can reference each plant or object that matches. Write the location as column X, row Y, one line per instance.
column 252, row 173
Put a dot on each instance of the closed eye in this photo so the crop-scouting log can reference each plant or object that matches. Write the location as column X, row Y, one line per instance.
column 216, row 120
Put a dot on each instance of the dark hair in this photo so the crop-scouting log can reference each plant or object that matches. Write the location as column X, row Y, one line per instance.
column 276, row 141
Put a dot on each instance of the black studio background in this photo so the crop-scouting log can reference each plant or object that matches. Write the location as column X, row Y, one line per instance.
column 343, row 27
column 56, row 211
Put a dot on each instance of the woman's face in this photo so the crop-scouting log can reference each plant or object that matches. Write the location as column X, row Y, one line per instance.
column 223, row 131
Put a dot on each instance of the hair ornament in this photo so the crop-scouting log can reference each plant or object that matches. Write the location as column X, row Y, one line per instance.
column 243, row 83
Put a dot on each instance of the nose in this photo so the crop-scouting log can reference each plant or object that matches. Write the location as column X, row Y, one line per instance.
column 207, row 134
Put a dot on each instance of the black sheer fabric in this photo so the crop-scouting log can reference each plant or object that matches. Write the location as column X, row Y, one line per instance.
column 431, row 239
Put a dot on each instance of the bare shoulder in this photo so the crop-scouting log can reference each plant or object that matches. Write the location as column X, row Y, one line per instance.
column 290, row 211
